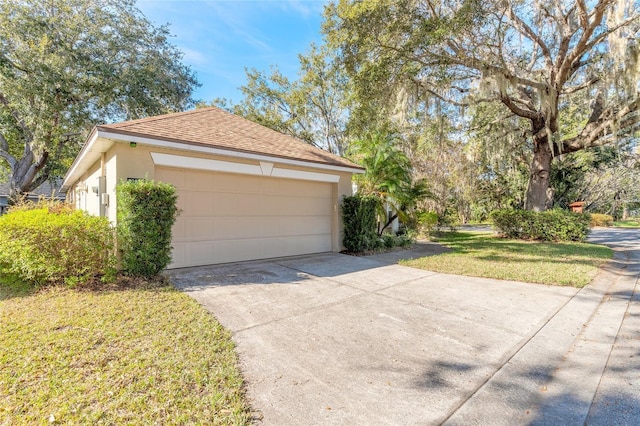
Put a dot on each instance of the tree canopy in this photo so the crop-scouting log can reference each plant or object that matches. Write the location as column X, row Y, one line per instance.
column 66, row 65
column 311, row 108
column 534, row 59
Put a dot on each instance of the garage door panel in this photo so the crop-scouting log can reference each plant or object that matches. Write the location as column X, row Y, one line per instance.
column 224, row 204
column 182, row 201
column 199, row 180
column 174, row 176
column 305, row 225
column 248, row 185
column 272, row 186
column 315, row 206
column 199, row 253
column 179, row 229
column 224, row 182
column 263, row 227
column 298, row 188
column 199, row 229
column 249, row 204
column 231, row 217
column 248, row 227
column 224, row 228
column 178, row 253
column 321, row 190
column 198, row 203
column 234, row 251
column 271, row 206
column 308, row 244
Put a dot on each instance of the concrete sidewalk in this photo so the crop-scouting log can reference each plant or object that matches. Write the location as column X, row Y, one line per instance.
column 334, row 339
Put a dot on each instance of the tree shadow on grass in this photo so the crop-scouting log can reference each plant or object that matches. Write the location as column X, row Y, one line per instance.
column 504, row 250
column 559, row 261
column 12, row 287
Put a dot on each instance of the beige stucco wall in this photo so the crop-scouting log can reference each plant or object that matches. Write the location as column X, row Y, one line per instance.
column 85, row 198
column 111, row 173
column 83, row 192
column 123, row 161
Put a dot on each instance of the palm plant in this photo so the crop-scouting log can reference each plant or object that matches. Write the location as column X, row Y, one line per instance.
column 388, row 178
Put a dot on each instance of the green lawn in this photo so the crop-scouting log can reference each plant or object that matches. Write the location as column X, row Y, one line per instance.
column 629, row 223
column 486, row 255
column 147, row 355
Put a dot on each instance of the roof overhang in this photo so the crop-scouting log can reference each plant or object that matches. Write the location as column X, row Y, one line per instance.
column 101, row 140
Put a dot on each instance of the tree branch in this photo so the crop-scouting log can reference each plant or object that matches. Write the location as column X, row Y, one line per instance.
column 509, row 103
column 526, row 30
column 602, row 36
column 583, row 45
column 9, row 158
column 33, row 171
column 466, row 59
column 25, row 130
column 12, row 64
column 583, row 14
column 592, row 132
column 4, row 152
column 574, row 89
column 4, row 145
column 37, row 182
column 438, row 95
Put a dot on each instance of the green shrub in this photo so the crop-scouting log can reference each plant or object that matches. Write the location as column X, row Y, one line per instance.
column 146, row 211
column 519, row 224
column 407, row 239
column 598, row 219
column 550, row 225
column 51, row 243
column 562, row 225
column 359, row 218
column 446, row 219
column 427, row 221
column 389, row 240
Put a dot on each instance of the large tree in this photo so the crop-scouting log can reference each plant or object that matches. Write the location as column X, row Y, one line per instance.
column 66, row 65
column 312, row 107
column 533, row 58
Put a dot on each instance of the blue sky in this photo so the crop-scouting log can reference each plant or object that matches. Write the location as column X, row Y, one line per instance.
column 221, row 38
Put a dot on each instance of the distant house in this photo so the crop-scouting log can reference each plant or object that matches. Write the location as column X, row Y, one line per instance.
column 47, row 189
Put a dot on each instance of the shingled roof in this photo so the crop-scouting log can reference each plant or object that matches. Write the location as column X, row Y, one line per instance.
column 217, row 128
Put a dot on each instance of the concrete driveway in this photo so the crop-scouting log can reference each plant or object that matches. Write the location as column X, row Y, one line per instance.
column 335, row 339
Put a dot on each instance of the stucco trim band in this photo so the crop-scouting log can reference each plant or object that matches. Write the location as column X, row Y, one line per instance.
column 262, row 169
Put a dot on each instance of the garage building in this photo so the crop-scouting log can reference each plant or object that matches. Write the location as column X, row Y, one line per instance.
column 245, row 191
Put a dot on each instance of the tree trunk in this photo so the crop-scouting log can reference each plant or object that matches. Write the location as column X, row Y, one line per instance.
column 24, row 176
column 537, row 198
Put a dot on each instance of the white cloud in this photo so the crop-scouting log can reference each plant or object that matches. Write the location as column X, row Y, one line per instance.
column 194, row 57
column 306, row 8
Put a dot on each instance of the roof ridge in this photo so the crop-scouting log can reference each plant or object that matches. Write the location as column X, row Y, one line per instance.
column 153, row 118
column 217, row 127
column 278, row 133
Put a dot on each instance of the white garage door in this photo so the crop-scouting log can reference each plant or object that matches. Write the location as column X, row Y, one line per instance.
column 232, row 217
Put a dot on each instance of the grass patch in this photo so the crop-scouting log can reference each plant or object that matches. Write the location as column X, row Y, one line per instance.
column 629, row 223
column 132, row 355
column 486, row 255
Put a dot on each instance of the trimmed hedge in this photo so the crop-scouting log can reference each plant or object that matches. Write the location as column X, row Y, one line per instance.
column 550, row 225
column 51, row 243
column 598, row 219
column 146, row 212
column 359, row 218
